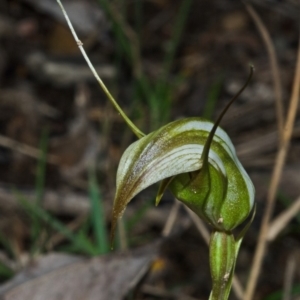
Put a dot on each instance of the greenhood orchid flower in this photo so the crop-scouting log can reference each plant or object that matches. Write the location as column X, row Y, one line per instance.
column 197, row 161
column 216, row 188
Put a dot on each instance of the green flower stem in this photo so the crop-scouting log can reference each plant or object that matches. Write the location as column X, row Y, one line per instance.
column 135, row 130
column 222, row 255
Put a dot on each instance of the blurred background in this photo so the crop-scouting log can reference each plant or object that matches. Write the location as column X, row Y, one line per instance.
column 61, row 141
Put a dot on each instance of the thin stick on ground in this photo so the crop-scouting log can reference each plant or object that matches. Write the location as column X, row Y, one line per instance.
column 199, row 225
column 273, row 64
column 276, row 175
column 289, row 277
column 171, row 219
column 280, row 222
column 26, row 149
column 58, row 238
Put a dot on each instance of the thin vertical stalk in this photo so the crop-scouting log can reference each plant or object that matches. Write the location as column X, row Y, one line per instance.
column 135, row 130
column 276, row 175
column 274, row 66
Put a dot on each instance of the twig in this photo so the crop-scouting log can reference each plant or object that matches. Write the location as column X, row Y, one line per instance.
column 171, row 219
column 237, row 288
column 25, row 149
column 199, row 225
column 58, row 238
column 283, row 8
column 282, row 220
column 273, row 63
column 276, row 175
column 289, row 276
column 54, row 201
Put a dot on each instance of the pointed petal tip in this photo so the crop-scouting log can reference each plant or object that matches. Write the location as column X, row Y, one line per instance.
column 112, row 239
column 157, row 200
column 113, row 230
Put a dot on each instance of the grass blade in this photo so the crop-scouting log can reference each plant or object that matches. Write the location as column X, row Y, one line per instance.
column 40, row 184
column 97, row 215
column 178, row 29
column 34, row 211
column 212, row 97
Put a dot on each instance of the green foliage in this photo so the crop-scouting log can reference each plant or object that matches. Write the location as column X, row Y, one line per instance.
column 5, row 273
column 97, row 215
column 295, row 291
column 157, row 94
column 212, row 97
column 287, row 202
column 79, row 241
column 138, row 215
column 41, row 220
column 39, row 187
column 5, row 243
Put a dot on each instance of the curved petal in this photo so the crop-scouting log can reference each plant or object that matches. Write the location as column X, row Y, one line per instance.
column 174, row 149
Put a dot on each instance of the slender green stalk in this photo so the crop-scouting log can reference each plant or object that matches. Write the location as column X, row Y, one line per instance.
column 212, row 97
column 160, row 100
column 117, row 29
column 138, row 12
column 41, row 168
column 222, row 261
column 178, row 29
column 97, row 215
column 135, row 130
column 39, row 187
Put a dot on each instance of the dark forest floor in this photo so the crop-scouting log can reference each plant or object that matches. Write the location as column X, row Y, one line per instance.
column 49, row 96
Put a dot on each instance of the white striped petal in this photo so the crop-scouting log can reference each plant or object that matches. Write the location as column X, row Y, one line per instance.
column 174, row 149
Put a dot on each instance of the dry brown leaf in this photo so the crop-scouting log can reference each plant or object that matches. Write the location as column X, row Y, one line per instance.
column 61, row 276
